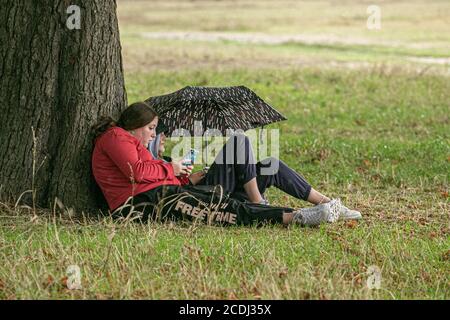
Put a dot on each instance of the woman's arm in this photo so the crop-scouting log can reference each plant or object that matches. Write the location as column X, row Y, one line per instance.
column 196, row 177
column 122, row 150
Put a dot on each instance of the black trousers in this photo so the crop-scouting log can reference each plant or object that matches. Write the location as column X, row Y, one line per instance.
column 235, row 165
column 206, row 204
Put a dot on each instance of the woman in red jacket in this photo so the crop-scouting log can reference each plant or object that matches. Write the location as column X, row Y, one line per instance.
column 130, row 177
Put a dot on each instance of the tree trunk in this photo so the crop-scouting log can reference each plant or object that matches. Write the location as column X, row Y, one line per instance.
column 57, row 81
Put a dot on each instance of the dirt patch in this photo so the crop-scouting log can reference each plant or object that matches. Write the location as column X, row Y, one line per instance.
column 149, row 58
column 431, row 60
column 256, row 38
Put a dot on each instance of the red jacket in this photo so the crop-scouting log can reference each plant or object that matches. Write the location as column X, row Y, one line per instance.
column 123, row 167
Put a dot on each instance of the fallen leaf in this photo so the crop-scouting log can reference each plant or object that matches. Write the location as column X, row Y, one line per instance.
column 444, row 194
column 283, row 273
column 63, row 281
column 376, row 177
column 323, row 296
column 361, row 170
column 232, row 296
column 351, row 224
column 101, row 296
column 426, row 276
column 306, row 296
column 49, row 281
column 256, row 293
column 47, row 253
column 367, row 163
column 422, row 221
column 357, row 279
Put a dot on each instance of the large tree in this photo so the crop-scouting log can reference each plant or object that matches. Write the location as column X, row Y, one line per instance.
column 59, row 72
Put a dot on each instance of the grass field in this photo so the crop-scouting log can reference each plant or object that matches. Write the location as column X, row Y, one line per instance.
column 365, row 123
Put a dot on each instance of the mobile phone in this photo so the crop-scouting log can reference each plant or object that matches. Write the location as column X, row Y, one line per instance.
column 189, row 158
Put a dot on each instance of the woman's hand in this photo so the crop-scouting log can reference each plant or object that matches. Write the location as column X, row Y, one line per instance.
column 179, row 169
column 196, row 177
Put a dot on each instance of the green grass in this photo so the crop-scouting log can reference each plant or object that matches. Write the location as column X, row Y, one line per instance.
column 379, row 141
column 169, row 261
column 377, row 136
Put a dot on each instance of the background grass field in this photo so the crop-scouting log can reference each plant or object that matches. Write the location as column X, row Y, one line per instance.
column 368, row 121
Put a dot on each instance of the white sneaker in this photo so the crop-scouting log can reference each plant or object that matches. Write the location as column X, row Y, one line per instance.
column 312, row 216
column 335, row 209
column 341, row 212
column 348, row 214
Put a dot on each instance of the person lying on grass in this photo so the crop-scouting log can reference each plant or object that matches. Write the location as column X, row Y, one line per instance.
column 132, row 180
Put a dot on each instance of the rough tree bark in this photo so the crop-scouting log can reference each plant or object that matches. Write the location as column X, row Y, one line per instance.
column 58, row 81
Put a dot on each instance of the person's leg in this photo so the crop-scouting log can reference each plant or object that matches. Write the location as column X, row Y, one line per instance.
column 287, row 180
column 235, row 169
column 238, row 177
column 274, row 172
column 252, row 191
column 316, row 197
column 188, row 203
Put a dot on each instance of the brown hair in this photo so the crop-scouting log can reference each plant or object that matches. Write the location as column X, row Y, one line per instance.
column 135, row 116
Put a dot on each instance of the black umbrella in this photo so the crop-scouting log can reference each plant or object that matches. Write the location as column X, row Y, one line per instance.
column 219, row 108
